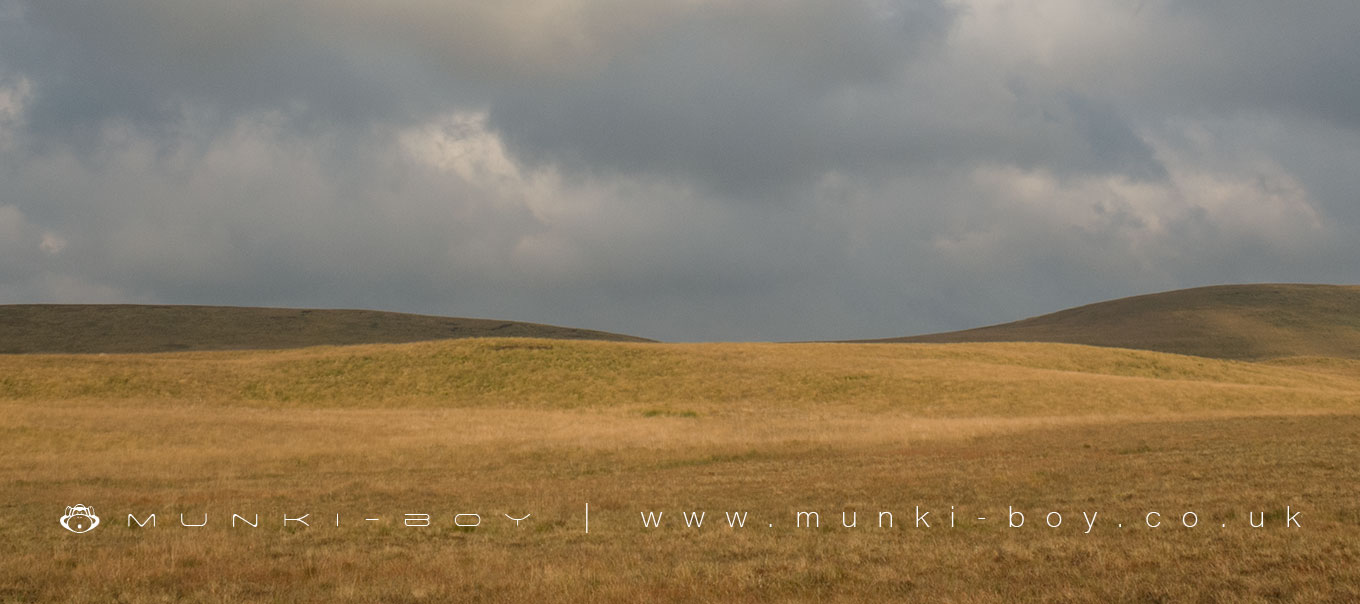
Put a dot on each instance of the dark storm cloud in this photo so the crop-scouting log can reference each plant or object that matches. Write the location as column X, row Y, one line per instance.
column 152, row 62
column 678, row 169
column 748, row 100
column 1111, row 143
column 1296, row 58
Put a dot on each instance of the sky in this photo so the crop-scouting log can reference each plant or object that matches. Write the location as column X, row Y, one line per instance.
column 686, row 170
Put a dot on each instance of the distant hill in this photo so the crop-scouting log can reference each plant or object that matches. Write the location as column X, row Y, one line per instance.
column 115, row 328
column 1245, row 322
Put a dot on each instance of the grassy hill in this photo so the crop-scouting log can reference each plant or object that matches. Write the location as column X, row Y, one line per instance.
column 116, row 328
column 1248, row 322
column 690, row 380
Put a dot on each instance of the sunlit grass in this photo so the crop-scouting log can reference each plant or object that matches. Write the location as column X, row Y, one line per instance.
column 544, row 426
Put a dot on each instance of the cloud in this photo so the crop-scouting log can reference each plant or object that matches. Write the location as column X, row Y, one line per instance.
column 682, row 169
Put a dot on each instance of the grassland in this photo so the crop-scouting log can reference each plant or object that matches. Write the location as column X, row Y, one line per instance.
column 495, row 426
column 1247, row 322
column 120, row 328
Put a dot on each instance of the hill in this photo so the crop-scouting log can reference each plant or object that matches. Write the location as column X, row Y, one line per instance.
column 1244, row 322
column 1014, row 379
column 117, row 328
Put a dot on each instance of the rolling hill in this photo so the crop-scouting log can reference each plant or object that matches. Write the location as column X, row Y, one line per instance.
column 1011, row 379
column 118, row 328
column 1242, row 322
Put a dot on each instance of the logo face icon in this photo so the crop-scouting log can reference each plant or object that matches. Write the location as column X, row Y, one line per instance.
column 79, row 518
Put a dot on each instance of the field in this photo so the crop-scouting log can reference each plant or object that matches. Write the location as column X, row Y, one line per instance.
column 516, row 426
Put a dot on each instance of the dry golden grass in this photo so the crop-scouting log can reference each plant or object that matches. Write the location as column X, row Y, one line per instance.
column 514, row 426
column 1008, row 380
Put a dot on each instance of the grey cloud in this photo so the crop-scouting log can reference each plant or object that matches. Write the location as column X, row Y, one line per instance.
column 681, row 169
column 1111, row 143
column 750, row 103
column 1210, row 58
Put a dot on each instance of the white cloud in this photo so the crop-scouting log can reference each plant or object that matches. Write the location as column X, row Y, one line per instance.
column 14, row 97
column 1254, row 200
column 52, row 243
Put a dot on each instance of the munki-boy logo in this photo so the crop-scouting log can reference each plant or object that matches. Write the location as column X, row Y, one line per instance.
column 79, row 518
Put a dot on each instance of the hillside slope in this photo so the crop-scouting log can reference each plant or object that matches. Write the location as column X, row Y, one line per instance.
column 1245, row 322
column 115, row 328
column 685, row 380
